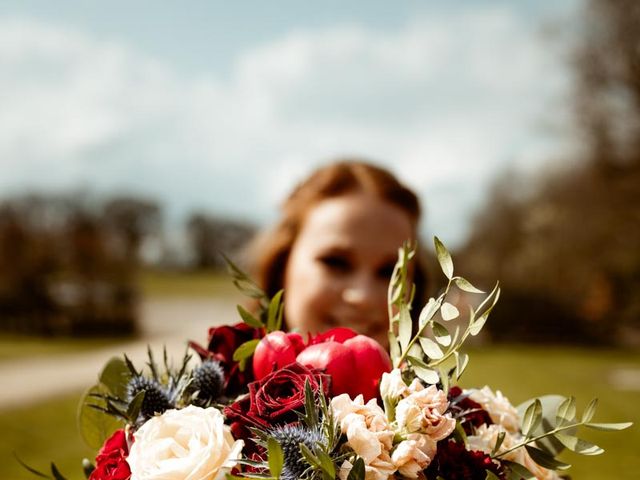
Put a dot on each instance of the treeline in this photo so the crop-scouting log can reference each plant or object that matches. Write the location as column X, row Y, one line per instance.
column 568, row 253
column 68, row 263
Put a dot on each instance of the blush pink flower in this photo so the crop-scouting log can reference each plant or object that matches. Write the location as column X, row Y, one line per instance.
column 425, row 411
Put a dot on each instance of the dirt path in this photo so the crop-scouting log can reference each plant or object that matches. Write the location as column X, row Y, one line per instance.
column 170, row 322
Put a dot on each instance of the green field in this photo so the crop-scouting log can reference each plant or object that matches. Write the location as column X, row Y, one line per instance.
column 163, row 284
column 47, row 431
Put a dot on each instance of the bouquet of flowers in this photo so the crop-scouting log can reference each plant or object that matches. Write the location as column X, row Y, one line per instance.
column 263, row 403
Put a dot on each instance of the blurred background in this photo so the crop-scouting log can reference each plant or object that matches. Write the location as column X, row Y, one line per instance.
column 137, row 140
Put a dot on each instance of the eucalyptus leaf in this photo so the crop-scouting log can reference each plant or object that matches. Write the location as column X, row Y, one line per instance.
column 464, row 284
column 491, row 476
column 532, row 418
column 245, row 350
column 462, row 360
column 578, row 445
column 566, row 411
column 545, row 459
column 476, row 326
column 444, row 258
column 430, row 348
column 441, row 334
column 405, row 326
column 357, row 471
column 449, row 312
column 275, row 456
column 115, row 376
column 609, row 427
column 427, row 312
column 428, row 375
column 588, row 413
column 394, row 348
column 248, row 318
column 498, row 443
column 517, row 471
column 95, row 425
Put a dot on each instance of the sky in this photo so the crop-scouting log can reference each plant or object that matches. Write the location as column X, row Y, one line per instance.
column 225, row 106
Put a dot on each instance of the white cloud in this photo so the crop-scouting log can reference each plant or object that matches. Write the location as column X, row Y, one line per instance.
column 444, row 101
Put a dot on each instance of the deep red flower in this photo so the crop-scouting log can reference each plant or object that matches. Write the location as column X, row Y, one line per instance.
column 223, row 342
column 274, row 400
column 111, row 463
column 473, row 415
column 276, row 350
column 454, row 462
column 340, row 352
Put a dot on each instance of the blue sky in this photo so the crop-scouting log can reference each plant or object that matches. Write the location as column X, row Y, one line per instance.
column 225, row 105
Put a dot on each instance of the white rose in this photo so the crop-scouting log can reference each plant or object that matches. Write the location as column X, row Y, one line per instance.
column 414, row 454
column 188, row 444
column 424, row 411
column 499, row 408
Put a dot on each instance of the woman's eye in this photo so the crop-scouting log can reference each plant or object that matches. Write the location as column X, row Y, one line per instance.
column 386, row 271
column 336, row 262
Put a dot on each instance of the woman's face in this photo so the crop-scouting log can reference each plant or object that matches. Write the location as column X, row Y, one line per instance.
column 340, row 265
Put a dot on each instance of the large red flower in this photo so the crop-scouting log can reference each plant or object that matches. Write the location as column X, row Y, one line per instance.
column 111, row 463
column 454, row 462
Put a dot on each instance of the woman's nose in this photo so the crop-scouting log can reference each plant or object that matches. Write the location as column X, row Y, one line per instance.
column 362, row 291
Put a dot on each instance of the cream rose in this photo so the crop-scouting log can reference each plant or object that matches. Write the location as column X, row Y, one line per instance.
column 368, row 434
column 499, row 408
column 485, row 438
column 424, row 411
column 188, row 444
column 414, row 454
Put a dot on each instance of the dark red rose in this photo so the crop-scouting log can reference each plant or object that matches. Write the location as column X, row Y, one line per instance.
column 470, row 413
column 111, row 463
column 340, row 352
column 223, row 341
column 274, row 400
column 454, row 462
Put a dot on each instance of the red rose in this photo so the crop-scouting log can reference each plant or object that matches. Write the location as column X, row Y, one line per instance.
column 111, row 463
column 276, row 350
column 472, row 414
column 454, row 462
column 223, row 341
column 355, row 362
column 274, row 400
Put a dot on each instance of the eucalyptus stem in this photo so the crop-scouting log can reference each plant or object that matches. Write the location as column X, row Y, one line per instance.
column 539, row 437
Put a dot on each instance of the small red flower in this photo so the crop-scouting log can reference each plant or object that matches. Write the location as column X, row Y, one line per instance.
column 111, row 463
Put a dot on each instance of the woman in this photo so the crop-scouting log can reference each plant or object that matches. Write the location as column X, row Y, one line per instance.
column 334, row 249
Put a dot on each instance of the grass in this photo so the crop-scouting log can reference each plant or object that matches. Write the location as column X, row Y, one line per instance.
column 48, row 431
column 185, row 284
column 15, row 347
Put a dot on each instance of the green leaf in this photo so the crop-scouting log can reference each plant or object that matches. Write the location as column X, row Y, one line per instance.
column 276, row 457
column 56, row 473
column 427, row 312
column 532, row 418
column 245, row 350
column 491, row 476
column 499, row 441
column 394, row 348
column 441, row 334
column 588, row 413
column 449, row 312
column 464, row 284
column 405, row 326
column 517, row 471
column 477, row 324
column 462, row 360
column 430, row 348
column 135, row 405
column 273, row 314
column 95, row 426
column 578, row 445
column 357, row 471
column 248, row 318
column 30, row 469
column 444, row 258
column 609, row 427
column 115, row 376
column 427, row 375
column 326, row 464
column 566, row 412
column 545, row 459
column 309, row 456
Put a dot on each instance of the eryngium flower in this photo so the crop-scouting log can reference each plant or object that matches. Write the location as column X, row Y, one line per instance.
column 290, row 437
column 208, row 380
column 156, row 399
